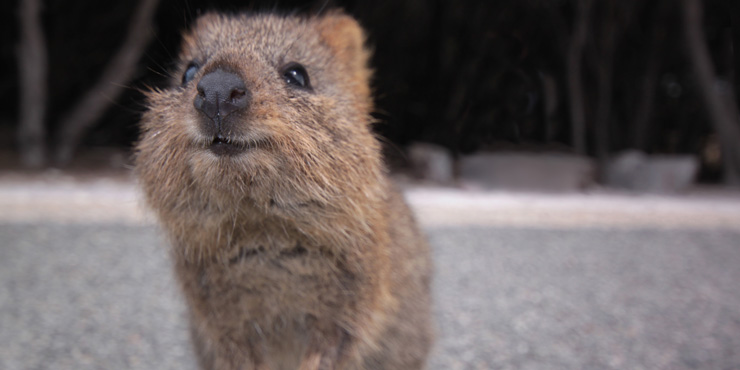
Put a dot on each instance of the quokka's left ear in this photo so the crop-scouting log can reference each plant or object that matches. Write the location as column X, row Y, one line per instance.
column 344, row 35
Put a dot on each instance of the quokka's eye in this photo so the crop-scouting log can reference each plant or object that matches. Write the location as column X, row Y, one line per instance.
column 295, row 74
column 190, row 72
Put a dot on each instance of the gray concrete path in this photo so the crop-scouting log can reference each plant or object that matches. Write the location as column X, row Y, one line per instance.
column 551, row 286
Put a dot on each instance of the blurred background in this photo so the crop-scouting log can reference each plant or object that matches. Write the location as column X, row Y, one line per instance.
column 574, row 163
column 610, row 87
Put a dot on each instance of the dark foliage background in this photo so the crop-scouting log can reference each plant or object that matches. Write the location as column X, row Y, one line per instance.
column 468, row 75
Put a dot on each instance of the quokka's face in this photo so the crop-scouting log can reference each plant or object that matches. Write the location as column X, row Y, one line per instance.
column 265, row 104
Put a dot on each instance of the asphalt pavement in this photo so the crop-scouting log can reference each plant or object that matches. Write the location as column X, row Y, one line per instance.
column 519, row 286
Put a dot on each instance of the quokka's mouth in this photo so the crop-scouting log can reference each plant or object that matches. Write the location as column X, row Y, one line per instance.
column 227, row 146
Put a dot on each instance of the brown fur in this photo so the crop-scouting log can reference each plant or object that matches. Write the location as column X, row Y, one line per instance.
column 297, row 254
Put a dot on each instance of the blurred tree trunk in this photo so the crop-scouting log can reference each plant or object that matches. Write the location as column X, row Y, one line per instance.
column 605, row 72
column 116, row 74
column 32, row 68
column 735, row 22
column 722, row 107
column 575, row 80
column 646, row 97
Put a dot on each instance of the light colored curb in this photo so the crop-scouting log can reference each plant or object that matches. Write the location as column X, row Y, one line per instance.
column 119, row 201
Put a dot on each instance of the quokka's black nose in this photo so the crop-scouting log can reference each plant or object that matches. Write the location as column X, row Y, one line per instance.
column 221, row 93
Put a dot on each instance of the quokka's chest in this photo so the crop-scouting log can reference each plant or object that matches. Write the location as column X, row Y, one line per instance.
column 261, row 284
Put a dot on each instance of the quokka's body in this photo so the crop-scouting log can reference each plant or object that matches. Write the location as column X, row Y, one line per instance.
column 292, row 248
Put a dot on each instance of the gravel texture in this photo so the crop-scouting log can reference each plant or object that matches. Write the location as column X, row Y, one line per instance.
column 89, row 297
column 102, row 296
column 587, row 299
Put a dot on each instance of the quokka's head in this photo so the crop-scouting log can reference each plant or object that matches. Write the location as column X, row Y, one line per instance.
column 263, row 107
